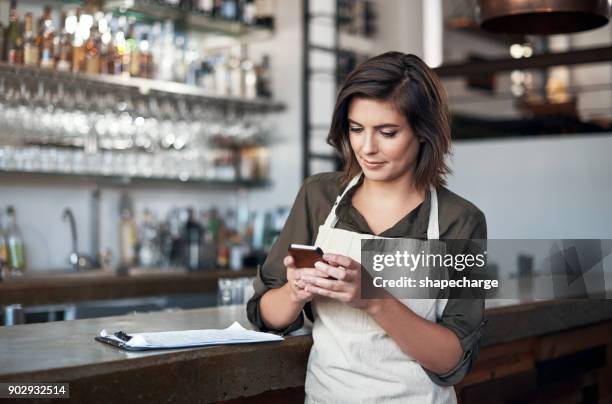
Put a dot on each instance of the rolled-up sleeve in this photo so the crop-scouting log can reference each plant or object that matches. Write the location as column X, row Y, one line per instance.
column 464, row 316
column 273, row 274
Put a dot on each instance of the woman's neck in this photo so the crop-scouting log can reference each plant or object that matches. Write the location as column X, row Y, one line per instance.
column 398, row 190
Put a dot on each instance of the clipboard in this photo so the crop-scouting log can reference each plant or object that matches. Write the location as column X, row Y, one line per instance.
column 234, row 334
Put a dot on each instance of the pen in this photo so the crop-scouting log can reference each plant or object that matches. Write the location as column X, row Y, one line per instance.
column 122, row 336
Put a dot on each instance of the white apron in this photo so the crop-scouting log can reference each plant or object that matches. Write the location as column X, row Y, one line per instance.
column 352, row 359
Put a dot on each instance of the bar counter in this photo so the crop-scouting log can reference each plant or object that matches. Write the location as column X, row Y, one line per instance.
column 518, row 340
column 53, row 288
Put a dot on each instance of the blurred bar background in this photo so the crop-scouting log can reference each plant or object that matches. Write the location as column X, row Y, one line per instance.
column 150, row 150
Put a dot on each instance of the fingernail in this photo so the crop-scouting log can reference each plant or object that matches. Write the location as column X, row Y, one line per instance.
column 319, row 265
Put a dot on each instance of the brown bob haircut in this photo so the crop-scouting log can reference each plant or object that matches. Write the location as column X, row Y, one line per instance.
column 415, row 90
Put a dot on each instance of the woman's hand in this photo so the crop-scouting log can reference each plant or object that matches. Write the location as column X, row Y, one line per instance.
column 344, row 284
column 296, row 282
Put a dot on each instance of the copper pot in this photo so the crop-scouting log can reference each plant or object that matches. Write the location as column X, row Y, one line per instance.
column 542, row 17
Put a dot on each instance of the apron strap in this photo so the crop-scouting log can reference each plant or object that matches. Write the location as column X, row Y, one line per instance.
column 433, row 228
column 332, row 219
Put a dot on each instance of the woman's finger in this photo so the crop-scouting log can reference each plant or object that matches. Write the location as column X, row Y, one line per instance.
column 316, row 290
column 329, row 284
column 338, row 272
column 289, row 261
column 310, row 271
column 340, row 260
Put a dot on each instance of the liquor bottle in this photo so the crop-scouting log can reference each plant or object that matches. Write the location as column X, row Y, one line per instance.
column 148, row 251
column 221, row 76
column 249, row 12
column 229, row 9
column 127, row 233
column 16, row 255
column 167, row 53
column 209, row 245
column 2, row 34
column 186, row 5
column 131, row 56
column 264, row 78
column 14, row 41
column 145, row 56
column 46, row 36
column 249, row 79
column 179, row 65
column 3, row 249
column 62, row 46
column 156, row 48
column 30, row 50
column 92, row 48
column 217, row 7
column 120, row 48
column 106, row 45
column 78, row 44
column 206, row 7
column 235, row 76
column 264, row 10
column 193, row 237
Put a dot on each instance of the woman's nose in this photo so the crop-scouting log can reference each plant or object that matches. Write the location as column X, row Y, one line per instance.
column 369, row 143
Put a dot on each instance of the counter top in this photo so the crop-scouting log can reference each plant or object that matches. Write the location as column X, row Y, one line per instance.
column 66, row 351
column 50, row 288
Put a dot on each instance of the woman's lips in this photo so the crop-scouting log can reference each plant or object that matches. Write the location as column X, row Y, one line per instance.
column 372, row 164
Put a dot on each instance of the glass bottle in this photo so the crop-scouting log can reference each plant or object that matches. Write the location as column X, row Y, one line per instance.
column 63, row 43
column 3, row 249
column 106, row 45
column 30, row 50
column 127, row 233
column 14, row 40
column 206, row 7
column 149, row 246
column 264, row 10
column 78, row 43
column 264, row 78
column 229, row 10
column 16, row 254
column 145, row 56
column 2, row 34
column 193, row 242
column 249, row 12
column 46, row 36
column 132, row 50
column 209, row 245
column 120, row 48
column 249, row 79
column 92, row 48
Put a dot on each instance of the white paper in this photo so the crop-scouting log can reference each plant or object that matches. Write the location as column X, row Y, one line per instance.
column 234, row 334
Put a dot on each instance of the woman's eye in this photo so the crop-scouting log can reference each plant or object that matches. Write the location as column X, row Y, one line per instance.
column 356, row 130
column 388, row 134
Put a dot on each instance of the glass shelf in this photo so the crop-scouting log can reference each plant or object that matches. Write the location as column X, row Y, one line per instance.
column 201, row 167
column 133, row 180
column 145, row 86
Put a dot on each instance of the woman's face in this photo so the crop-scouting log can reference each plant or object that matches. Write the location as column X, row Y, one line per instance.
column 382, row 140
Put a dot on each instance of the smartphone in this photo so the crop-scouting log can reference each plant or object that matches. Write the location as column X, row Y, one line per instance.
column 305, row 256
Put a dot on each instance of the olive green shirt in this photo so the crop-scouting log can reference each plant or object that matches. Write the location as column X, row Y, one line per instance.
column 457, row 217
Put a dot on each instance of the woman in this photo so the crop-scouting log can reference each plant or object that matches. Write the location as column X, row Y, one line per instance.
column 391, row 126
